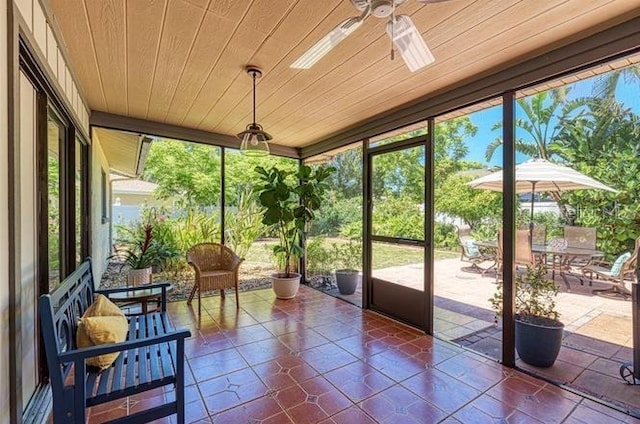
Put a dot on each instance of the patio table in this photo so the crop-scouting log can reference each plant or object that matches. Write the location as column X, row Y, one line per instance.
column 561, row 259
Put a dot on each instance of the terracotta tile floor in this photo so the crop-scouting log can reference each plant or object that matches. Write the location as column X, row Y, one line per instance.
column 319, row 359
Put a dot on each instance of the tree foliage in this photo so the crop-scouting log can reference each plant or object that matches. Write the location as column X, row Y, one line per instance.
column 455, row 198
column 189, row 172
column 603, row 143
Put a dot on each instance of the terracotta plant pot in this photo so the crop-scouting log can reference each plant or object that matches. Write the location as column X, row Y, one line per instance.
column 285, row 287
column 139, row 277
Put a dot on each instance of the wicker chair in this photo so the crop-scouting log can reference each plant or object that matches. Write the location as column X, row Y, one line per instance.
column 216, row 268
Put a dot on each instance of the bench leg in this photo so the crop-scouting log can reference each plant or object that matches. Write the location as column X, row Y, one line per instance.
column 180, row 400
column 237, row 298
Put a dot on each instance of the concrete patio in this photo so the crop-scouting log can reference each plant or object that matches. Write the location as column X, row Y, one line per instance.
column 598, row 329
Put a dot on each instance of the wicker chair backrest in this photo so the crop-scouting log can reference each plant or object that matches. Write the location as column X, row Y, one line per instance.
column 211, row 257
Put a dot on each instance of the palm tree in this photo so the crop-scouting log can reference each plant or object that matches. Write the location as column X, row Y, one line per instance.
column 606, row 84
column 542, row 114
column 604, row 125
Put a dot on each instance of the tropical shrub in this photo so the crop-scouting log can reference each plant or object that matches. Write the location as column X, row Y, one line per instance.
column 319, row 256
column 336, row 214
column 243, row 223
column 445, row 236
column 398, row 217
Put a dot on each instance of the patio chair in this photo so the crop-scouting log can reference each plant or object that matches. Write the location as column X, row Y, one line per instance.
column 621, row 271
column 539, row 234
column 469, row 251
column 580, row 237
column 216, row 268
column 524, row 253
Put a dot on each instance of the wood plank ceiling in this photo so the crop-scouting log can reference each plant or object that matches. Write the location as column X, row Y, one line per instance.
column 181, row 62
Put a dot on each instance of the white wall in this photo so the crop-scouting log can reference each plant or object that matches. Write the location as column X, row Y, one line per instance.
column 100, row 248
column 4, row 221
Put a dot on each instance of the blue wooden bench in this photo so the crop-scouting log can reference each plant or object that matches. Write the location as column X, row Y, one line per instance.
column 151, row 357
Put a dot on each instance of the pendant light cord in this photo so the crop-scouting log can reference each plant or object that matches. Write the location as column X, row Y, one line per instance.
column 253, row 74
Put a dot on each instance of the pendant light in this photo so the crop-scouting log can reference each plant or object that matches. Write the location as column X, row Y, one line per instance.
column 254, row 139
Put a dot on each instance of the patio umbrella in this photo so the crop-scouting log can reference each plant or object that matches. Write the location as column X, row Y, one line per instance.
column 539, row 175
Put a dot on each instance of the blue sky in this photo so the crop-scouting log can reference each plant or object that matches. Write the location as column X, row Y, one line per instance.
column 628, row 94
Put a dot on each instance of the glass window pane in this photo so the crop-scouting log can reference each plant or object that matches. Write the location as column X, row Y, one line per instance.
column 466, row 224
column 334, row 245
column 55, row 134
column 79, row 195
column 397, row 188
column 244, row 232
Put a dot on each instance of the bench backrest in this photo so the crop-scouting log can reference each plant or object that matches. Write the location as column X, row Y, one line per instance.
column 59, row 313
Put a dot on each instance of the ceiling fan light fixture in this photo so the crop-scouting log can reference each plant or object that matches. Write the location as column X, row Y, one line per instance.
column 326, row 43
column 254, row 140
column 408, row 41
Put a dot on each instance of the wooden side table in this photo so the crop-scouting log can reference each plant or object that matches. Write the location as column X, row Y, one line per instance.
column 142, row 296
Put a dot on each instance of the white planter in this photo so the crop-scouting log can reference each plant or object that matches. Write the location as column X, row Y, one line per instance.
column 139, row 277
column 285, row 287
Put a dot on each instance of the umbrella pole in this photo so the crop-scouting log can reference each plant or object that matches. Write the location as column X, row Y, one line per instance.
column 533, row 190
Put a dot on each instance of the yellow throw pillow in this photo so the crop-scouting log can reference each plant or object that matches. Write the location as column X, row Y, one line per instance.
column 103, row 322
column 95, row 331
column 102, row 307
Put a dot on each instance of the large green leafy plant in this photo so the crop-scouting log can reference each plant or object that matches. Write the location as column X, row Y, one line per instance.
column 290, row 201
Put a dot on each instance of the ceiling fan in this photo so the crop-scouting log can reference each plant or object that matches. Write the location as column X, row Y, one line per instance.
column 404, row 35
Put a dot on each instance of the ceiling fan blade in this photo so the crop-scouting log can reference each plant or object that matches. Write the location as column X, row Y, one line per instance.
column 326, row 43
column 431, row 1
column 409, row 42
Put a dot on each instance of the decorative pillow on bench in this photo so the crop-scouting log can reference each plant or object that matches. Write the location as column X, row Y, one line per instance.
column 102, row 323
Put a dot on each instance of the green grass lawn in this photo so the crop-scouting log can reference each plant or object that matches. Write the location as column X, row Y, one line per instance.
column 384, row 255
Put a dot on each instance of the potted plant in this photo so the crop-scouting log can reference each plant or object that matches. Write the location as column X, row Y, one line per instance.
column 538, row 330
column 349, row 255
column 290, row 200
column 142, row 255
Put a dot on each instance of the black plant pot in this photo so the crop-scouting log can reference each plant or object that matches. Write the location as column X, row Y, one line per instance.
column 347, row 280
column 538, row 343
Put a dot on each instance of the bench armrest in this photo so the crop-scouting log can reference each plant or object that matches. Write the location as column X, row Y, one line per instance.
column 163, row 295
column 89, row 352
column 128, row 289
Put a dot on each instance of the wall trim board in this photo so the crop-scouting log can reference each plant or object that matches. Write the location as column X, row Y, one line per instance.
column 45, row 5
column 45, row 77
column 159, row 129
column 13, row 169
column 616, row 41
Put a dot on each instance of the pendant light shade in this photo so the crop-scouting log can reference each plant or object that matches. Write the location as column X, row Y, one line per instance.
column 254, row 141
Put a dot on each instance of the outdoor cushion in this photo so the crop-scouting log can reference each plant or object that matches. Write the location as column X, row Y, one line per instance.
column 471, row 248
column 103, row 322
column 617, row 265
column 102, row 307
column 95, row 331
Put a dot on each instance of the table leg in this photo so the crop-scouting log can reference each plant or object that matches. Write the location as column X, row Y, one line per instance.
column 144, row 307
